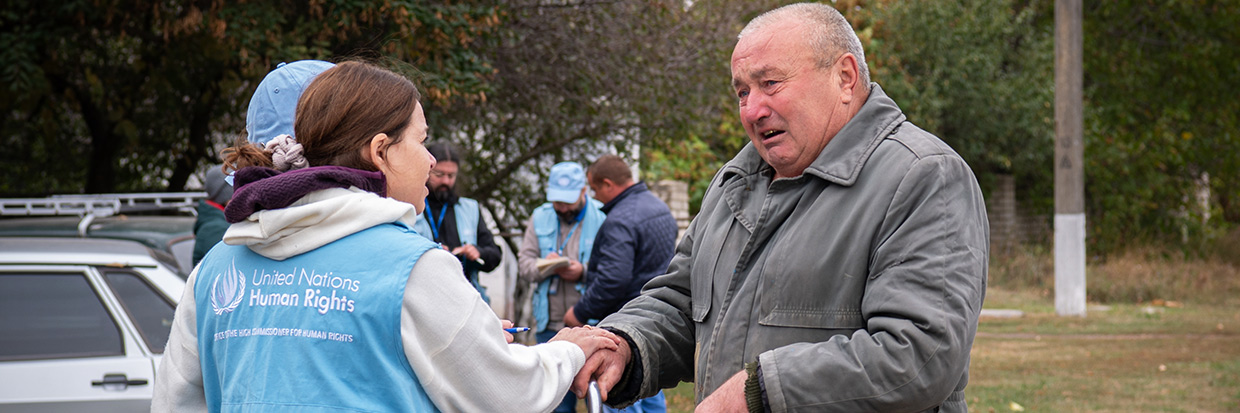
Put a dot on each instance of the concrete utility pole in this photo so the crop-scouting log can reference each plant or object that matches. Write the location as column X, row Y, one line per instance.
column 1069, row 162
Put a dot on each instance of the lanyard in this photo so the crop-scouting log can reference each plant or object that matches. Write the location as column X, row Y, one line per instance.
column 435, row 225
column 564, row 244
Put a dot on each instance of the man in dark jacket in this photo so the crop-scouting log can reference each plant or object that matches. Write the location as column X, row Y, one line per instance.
column 210, row 225
column 633, row 245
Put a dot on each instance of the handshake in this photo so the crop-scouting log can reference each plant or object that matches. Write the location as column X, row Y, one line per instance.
column 607, row 354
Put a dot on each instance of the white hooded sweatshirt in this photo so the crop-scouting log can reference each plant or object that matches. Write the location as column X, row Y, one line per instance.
column 457, row 351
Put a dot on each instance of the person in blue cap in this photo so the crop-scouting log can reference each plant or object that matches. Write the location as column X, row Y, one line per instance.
column 270, row 114
column 274, row 104
column 635, row 244
column 555, row 250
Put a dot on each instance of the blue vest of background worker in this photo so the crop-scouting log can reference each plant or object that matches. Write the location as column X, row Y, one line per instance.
column 265, row 311
column 556, row 249
column 455, row 222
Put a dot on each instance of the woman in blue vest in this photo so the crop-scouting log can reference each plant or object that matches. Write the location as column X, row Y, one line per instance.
column 323, row 298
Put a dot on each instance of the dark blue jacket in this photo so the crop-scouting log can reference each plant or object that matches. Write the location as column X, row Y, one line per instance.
column 635, row 244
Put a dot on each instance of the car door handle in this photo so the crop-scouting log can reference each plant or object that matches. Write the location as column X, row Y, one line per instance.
column 118, row 380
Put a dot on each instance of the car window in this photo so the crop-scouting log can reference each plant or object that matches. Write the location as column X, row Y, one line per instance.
column 148, row 309
column 59, row 315
column 183, row 250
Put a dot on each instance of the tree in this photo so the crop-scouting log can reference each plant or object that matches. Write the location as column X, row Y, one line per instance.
column 576, row 79
column 134, row 95
column 979, row 75
column 1160, row 118
column 699, row 152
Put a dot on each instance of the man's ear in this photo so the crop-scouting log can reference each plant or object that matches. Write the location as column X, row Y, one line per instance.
column 376, row 152
column 849, row 76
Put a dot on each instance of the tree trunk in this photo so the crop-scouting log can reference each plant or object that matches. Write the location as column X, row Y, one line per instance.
column 199, row 129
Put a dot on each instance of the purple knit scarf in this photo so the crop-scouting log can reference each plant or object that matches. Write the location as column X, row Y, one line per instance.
column 260, row 188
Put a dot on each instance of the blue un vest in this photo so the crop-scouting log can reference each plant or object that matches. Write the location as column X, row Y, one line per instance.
column 546, row 225
column 317, row 332
column 467, row 216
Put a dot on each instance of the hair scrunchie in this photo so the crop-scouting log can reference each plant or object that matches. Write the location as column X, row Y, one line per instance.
column 286, row 153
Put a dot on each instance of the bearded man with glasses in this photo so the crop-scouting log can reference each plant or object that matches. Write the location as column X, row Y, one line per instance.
column 455, row 222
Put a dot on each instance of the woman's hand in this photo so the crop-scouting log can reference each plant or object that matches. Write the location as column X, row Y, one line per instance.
column 589, row 338
column 507, row 324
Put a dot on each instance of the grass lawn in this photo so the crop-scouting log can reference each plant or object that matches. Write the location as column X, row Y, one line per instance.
column 1126, row 357
column 1119, row 358
column 1138, row 353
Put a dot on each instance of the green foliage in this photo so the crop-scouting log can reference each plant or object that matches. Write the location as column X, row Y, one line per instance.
column 135, row 96
column 693, row 161
column 694, row 153
column 576, row 79
column 1160, row 119
column 102, row 95
column 978, row 74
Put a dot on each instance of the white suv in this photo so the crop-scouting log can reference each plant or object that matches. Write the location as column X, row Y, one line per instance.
column 83, row 323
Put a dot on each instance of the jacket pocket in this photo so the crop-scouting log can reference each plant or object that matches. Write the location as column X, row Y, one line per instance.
column 712, row 256
column 824, row 318
column 811, row 279
column 824, row 300
column 701, row 287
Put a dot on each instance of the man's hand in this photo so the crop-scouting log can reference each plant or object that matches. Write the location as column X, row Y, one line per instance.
column 591, row 340
column 571, row 272
column 606, row 367
column 468, row 251
column 730, row 397
column 570, row 319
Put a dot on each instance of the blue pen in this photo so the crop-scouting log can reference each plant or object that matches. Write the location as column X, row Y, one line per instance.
column 516, row 330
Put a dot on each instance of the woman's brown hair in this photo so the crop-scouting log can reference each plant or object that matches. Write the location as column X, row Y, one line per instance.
column 338, row 114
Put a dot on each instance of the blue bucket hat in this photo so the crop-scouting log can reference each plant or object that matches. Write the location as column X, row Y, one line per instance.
column 565, row 182
column 274, row 104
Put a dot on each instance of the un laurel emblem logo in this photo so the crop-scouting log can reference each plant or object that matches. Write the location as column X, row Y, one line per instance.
column 227, row 290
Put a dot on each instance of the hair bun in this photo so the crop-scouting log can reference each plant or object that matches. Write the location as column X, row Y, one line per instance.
column 286, row 153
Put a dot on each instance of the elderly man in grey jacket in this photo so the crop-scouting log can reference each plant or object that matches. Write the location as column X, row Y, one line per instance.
column 838, row 262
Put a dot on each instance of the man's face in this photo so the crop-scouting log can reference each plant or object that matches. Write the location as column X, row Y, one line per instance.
column 568, row 212
column 790, row 107
column 602, row 191
column 442, row 180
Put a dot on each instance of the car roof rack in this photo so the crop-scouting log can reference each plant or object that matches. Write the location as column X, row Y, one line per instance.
column 91, row 206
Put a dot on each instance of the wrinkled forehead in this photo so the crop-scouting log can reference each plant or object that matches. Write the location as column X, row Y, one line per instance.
column 769, row 50
column 781, row 28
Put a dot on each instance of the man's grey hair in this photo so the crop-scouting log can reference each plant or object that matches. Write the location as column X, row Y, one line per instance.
column 830, row 33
